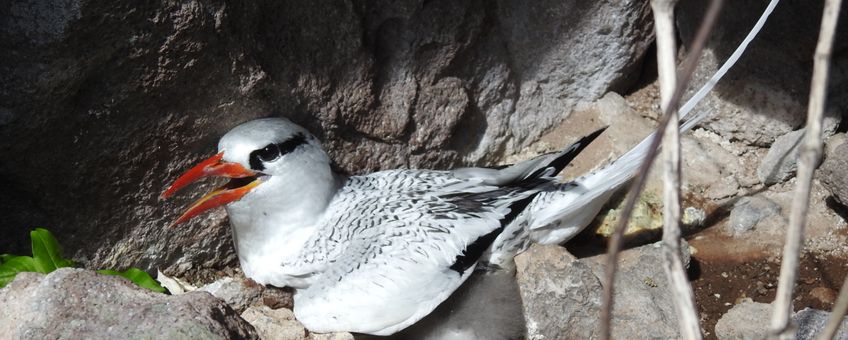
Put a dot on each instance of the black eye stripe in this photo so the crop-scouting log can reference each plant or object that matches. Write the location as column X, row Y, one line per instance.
column 272, row 151
column 291, row 143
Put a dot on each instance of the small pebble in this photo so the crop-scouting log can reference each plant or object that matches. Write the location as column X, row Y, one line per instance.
column 824, row 295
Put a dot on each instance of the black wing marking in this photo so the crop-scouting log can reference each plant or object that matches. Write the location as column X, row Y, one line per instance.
column 472, row 253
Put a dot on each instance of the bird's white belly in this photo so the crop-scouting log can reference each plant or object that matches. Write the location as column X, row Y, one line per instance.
column 263, row 256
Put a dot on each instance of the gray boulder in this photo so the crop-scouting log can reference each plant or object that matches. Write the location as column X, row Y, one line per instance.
column 812, row 321
column 750, row 320
column 781, row 161
column 562, row 295
column 749, row 211
column 770, row 98
column 747, row 320
column 240, row 293
column 107, row 103
column 273, row 324
column 834, row 173
column 80, row 304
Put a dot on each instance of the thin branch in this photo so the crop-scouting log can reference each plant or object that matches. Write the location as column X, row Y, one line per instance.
column 836, row 314
column 681, row 291
column 807, row 159
column 636, row 186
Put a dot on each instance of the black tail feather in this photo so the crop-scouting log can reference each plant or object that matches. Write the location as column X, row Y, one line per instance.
column 569, row 154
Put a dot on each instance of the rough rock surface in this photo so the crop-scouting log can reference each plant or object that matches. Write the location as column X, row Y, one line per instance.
column 241, row 293
column 750, row 320
column 747, row 320
column 238, row 293
column 833, row 173
column 274, row 323
column 562, row 295
column 812, row 321
column 781, row 161
column 749, row 211
column 76, row 303
column 770, row 98
column 107, row 102
column 280, row 324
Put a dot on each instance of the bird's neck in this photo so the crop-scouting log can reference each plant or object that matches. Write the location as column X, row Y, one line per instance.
column 272, row 224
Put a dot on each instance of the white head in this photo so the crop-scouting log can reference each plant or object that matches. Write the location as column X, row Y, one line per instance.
column 265, row 158
column 270, row 146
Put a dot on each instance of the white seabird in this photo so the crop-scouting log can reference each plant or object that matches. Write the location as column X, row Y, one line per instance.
column 375, row 253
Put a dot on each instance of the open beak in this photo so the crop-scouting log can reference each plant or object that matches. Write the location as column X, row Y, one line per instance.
column 243, row 181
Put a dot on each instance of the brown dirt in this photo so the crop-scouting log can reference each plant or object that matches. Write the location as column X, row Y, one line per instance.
column 725, row 270
column 722, row 276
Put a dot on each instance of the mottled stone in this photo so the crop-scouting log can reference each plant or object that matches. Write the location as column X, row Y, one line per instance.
column 747, row 320
column 749, row 211
column 76, row 303
column 781, row 161
column 764, row 95
column 561, row 295
column 238, row 293
column 833, row 173
column 274, row 324
column 280, row 324
column 109, row 102
column 751, row 320
column 812, row 321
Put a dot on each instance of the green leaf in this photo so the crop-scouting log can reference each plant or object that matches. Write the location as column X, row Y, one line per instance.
column 137, row 276
column 47, row 252
column 5, row 257
column 12, row 265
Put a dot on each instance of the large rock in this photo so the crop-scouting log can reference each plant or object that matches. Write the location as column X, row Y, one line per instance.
column 562, row 295
column 747, row 320
column 770, row 97
column 76, row 303
column 750, row 320
column 280, row 324
column 236, row 292
column 834, row 173
column 105, row 103
column 274, row 324
column 240, row 293
column 750, row 211
column 781, row 161
column 812, row 321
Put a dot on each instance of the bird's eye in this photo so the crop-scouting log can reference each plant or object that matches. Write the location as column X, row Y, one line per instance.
column 269, row 153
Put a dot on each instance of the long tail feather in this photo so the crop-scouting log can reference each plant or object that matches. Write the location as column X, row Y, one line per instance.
column 567, row 211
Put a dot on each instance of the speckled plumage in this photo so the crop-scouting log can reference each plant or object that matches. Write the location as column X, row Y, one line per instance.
column 389, row 243
column 376, row 253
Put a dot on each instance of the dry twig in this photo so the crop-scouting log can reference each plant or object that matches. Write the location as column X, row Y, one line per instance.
column 836, row 314
column 807, row 160
column 682, row 296
column 639, row 182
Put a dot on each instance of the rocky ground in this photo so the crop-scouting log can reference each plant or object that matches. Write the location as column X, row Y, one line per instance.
column 102, row 105
column 733, row 259
column 736, row 247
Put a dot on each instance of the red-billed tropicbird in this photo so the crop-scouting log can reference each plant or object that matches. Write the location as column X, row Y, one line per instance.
column 375, row 253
